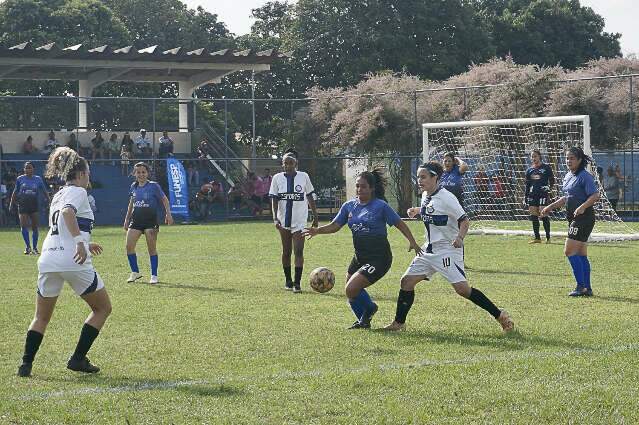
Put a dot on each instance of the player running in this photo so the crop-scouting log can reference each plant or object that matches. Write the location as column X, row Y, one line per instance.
column 367, row 217
column 66, row 256
column 26, row 196
column 291, row 193
column 539, row 182
column 580, row 196
column 145, row 197
column 446, row 226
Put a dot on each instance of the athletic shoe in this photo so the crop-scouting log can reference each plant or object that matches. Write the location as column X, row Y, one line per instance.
column 27, row 251
column 133, row 277
column 288, row 286
column 368, row 316
column 359, row 325
column 580, row 291
column 83, row 365
column 297, row 289
column 505, row 321
column 532, row 241
column 548, row 240
column 35, row 251
column 24, row 370
column 153, row 280
column 393, row 327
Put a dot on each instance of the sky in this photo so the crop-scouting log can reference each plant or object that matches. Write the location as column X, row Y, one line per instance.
column 620, row 16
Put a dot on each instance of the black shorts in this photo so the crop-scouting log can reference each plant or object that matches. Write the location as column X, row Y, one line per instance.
column 580, row 227
column 538, row 200
column 28, row 205
column 144, row 220
column 372, row 268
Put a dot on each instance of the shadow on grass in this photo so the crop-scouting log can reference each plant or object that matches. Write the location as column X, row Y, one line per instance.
column 618, row 299
column 169, row 285
column 515, row 273
column 218, row 391
column 512, row 341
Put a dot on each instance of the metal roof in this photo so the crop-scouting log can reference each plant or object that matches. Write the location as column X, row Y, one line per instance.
column 78, row 62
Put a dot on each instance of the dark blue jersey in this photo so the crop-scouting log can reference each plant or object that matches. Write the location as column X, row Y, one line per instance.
column 368, row 225
column 577, row 188
column 539, row 180
column 147, row 198
column 28, row 188
column 452, row 181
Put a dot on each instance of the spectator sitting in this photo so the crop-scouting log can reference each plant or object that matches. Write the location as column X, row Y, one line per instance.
column 98, row 145
column 251, row 187
column 166, row 145
column 265, row 187
column 73, row 142
column 112, row 147
column 128, row 142
column 28, row 147
column 52, row 143
column 143, row 144
column 235, row 197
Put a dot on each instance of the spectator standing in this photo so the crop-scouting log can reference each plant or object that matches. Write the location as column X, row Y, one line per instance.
column 112, row 147
column 128, row 142
column 98, row 146
column 28, row 147
column 72, row 143
column 126, row 155
column 193, row 174
column 143, row 144
column 612, row 186
column 166, row 145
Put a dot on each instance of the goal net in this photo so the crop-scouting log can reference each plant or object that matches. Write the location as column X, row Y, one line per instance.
column 497, row 153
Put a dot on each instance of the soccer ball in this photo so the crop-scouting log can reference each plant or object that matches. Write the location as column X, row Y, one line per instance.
column 322, row 279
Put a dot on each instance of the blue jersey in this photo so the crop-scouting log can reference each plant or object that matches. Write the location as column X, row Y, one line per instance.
column 146, row 198
column 29, row 187
column 577, row 188
column 540, row 180
column 452, row 181
column 368, row 225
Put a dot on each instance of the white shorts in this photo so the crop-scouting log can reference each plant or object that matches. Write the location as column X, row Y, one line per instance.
column 296, row 228
column 450, row 263
column 83, row 282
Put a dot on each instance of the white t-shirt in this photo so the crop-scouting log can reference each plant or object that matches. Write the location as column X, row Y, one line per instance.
column 291, row 191
column 441, row 213
column 58, row 248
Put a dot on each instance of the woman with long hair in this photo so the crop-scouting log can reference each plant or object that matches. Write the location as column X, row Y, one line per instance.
column 539, row 182
column 66, row 257
column 26, row 196
column 580, row 196
column 451, row 179
column 367, row 216
column 145, row 197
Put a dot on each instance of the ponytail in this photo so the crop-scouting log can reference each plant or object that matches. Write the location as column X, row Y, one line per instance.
column 65, row 163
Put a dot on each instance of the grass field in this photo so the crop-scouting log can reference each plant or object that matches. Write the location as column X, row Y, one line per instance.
column 220, row 341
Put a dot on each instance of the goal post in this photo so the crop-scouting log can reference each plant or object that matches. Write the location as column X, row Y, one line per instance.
column 497, row 153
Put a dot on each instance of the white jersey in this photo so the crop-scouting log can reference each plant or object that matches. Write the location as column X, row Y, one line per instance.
column 291, row 192
column 441, row 214
column 59, row 247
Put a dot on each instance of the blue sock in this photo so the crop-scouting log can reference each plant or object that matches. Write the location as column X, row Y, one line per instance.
column 577, row 268
column 586, row 268
column 35, row 238
column 365, row 299
column 357, row 307
column 25, row 236
column 154, row 265
column 133, row 262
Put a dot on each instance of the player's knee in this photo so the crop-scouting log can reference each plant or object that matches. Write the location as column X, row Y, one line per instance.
column 351, row 291
column 463, row 290
column 407, row 283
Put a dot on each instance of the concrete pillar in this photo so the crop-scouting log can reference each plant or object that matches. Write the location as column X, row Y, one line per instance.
column 186, row 90
column 85, row 90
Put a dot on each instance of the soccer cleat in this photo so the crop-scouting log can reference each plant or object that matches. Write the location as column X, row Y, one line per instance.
column 153, row 280
column 505, row 321
column 27, row 251
column 394, row 327
column 368, row 316
column 359, row 325
column 532, row 241
column 24, row 370
column 297, row 289
column 580, row 291
column 548, row 240
column 133, row 277
column 288, row 286
column 35, row 251
column 83, row 365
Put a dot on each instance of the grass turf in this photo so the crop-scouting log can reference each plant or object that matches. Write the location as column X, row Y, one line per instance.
column 220, row 341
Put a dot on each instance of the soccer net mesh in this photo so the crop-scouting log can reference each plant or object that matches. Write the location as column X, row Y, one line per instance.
column 497, row 153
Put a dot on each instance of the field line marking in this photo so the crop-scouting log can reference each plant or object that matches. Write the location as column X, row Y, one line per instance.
column 148, row 386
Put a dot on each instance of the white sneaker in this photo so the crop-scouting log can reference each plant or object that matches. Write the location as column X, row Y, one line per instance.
column 154, row 280
column 133, row 277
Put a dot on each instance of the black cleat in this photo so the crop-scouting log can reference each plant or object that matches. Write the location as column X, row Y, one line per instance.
column 581, row 291
column 365, row 321
column 297, row 289
column 288, row 286
column 35, row 251
column 24, row 370
column 27, row 251
column 83, row 365
column 359, row 325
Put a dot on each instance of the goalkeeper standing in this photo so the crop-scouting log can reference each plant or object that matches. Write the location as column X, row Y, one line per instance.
column 539, row 181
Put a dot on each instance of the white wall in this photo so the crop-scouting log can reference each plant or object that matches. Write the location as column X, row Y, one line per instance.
column 352, row 169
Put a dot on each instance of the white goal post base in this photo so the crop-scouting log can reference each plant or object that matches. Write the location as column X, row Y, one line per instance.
column 594, row 237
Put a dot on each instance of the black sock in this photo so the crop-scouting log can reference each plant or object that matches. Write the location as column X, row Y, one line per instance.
column 298, row 275
column 482, row 300
column 87, row 336
column 287, row 274
column 31, row 346
column 404, row 303
column 535, row 223
column 546, row 221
